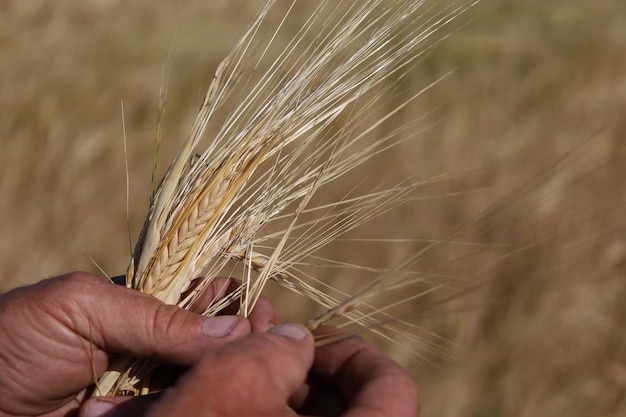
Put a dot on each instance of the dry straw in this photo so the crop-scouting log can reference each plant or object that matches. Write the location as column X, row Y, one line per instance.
column 284, row 131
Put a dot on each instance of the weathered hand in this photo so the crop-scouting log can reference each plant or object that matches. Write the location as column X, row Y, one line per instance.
column 57, row 336
column 350, row 377
column 261, row 375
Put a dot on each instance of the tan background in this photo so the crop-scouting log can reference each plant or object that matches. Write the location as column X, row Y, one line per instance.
column 542, row 331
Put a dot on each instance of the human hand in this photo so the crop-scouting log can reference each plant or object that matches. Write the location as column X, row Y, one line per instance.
column 261, row 375
column 352, row 378
column 57, row 337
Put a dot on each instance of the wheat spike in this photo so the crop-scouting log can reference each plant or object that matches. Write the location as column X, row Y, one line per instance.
column 303, row 121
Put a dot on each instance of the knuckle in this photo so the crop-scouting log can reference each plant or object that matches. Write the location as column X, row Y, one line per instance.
column 74, row 282
column 163, row 320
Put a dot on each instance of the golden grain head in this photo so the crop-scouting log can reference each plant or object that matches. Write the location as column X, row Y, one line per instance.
column 288, row 128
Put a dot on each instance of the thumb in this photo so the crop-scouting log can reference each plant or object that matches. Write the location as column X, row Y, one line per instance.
column 129, row 322
column 253, row 376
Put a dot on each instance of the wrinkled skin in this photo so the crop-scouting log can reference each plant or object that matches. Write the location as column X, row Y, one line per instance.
column 56, row 334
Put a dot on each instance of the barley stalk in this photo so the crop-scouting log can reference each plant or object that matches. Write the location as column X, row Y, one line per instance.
column 302, row 122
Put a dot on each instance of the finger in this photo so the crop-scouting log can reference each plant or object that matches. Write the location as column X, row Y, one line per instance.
column 263, row 316
column 215, row 290
column 121, row 320
column 117, row 406
column 371, row 383
column 252, row 376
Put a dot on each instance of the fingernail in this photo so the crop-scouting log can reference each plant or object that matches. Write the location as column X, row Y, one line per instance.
column 101, row 409
column 290, row 330
column 220, row 326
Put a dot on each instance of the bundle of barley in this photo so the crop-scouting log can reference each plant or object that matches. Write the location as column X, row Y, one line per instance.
column 285, row 130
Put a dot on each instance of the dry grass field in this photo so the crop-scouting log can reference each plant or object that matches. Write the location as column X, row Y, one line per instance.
column 531, row 124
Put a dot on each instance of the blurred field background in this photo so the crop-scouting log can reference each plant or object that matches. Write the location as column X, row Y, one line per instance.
column 536, row 104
